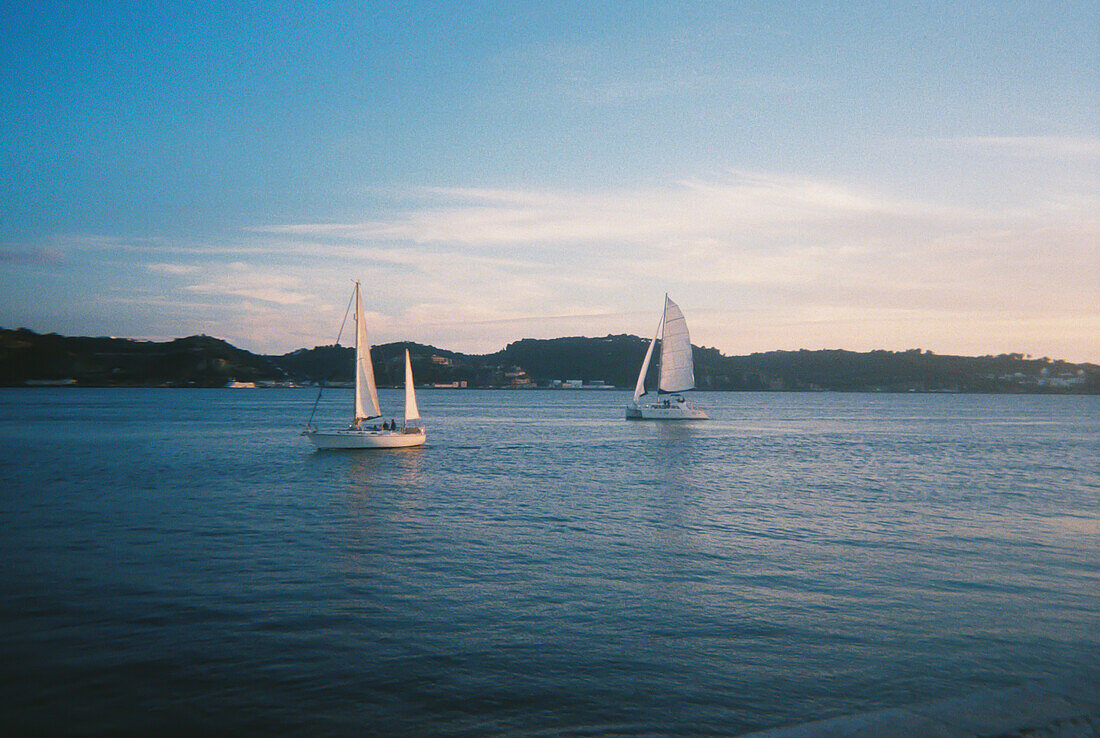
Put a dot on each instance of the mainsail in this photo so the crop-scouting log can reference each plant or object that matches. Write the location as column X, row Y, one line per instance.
column 412, row 412
column 366, row 394
column 677, row 368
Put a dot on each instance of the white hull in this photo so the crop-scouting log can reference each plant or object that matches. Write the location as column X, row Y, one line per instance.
column 676, row 409
column 352, row 439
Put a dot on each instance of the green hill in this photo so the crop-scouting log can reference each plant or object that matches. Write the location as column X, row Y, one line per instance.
column 202, row 361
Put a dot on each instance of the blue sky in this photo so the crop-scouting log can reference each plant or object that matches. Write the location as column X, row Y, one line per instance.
column 837, row 175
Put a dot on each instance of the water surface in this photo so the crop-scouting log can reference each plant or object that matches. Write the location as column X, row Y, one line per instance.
column 182, row 561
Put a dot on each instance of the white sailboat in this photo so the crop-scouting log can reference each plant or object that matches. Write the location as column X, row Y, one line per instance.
column 677, row 373
column 362, row 433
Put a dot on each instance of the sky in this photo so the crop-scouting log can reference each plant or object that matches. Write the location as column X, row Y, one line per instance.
column 794, row 175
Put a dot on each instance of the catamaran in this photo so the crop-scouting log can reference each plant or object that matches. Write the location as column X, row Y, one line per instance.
column 677, row 373
column 362, row 433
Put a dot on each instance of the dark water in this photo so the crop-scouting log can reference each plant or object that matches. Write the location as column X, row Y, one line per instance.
column 180, row 561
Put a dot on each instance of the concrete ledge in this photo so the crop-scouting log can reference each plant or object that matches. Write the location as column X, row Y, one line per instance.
column 1068, row 707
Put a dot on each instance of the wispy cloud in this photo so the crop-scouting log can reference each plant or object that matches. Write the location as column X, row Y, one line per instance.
column 253, row 283
column 688, row 63
column 476, row 261
column 758, row 260
column 696, row 208
column 175, row 269
column 590, row 74
column 30, row 255
column 1037, row 147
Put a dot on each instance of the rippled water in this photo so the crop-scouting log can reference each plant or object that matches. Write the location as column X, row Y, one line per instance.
column 182, row 561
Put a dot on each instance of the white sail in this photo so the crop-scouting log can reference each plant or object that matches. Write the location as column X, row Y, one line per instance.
column 639, row 388
column 677, row 368
column 366, row 394
column 412, row 412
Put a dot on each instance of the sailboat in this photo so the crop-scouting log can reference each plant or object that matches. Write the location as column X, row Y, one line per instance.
column 677, row 373
column 362, row 433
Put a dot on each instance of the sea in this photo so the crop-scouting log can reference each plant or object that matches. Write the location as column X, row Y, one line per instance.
column 182, row 562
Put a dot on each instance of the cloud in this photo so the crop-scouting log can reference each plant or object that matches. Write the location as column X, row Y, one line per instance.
column 31, row 255
column 688, row 64
column 473, row 263
column 591, row 74
column 243, row 280
column 174, row 269
column 757, row 260
column 1036, row 147
column 743, row 202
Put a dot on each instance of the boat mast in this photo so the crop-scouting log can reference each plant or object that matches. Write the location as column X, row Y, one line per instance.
column 321, row 385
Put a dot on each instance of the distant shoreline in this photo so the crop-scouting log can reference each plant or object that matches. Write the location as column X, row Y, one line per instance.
column 32, row 360
column 31, row 386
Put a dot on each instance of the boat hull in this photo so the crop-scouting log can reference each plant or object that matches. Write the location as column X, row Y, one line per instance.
column 672, row 410
column 365, row 439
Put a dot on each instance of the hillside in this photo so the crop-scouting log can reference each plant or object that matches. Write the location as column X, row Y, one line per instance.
column 198, row 361
column 202, row 361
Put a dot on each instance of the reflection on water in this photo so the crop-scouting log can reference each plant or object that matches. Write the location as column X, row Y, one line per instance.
column 540, row 565
column 402, row 467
